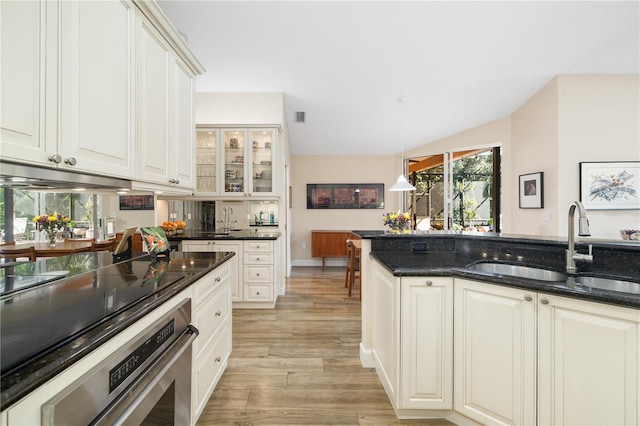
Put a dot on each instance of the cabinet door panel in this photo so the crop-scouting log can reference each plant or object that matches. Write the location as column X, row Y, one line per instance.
column 183, row 124
column 152, row 105
column 427, row 343
column 588, row 371
column 495, row 360
column 96, row 74
column 22, row 73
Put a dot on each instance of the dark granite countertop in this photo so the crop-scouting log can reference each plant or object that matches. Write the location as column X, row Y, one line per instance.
column 235, row 234
column 46, row 328
column 448, row 253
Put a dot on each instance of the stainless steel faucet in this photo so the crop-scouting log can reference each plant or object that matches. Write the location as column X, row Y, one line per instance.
column 226, row 221
column 583, row 231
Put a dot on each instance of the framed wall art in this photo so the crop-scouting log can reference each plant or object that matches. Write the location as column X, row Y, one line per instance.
column 345, row 195
column 531, row 191
column 136, row 202
column 610, row 185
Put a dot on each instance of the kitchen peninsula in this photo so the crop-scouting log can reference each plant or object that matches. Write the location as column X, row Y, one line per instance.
column 57, row 324
column 490, row 328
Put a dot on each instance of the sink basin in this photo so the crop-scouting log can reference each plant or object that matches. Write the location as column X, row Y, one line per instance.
column 518, row 271
column 607, row 284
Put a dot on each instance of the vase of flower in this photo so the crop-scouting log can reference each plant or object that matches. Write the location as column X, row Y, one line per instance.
column 51, row 224
column 398, row 222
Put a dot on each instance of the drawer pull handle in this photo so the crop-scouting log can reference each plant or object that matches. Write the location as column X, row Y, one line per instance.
column 257, row 258
column 218, row 313
column 258, row 293
column 429, row 283
column 218, row 359
column 528, row 298
column 217, row 279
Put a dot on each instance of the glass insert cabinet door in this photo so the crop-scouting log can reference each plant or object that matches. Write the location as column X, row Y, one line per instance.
column 206, row 162
column 262, row 149
column 234, row 164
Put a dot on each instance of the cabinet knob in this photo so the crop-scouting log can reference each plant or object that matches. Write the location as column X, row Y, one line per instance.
column 429, row 283
column 544, row 301
column 218, row 359
column 176, row 181
column 218, row 313
column 55, row 158
column 528, row 297
column 257, row 275
column 71, row 161
column 258, row 293
column 257, row 258
column 217, row 279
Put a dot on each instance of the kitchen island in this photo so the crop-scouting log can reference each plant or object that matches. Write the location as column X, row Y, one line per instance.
column 56, row 313
column 490, row 328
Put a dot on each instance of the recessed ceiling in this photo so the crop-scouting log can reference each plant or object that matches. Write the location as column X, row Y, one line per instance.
column 345, row 64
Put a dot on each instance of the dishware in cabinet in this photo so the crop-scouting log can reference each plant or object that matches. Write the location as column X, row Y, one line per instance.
column 235, row 166
column 262, row 161
column 207, row 165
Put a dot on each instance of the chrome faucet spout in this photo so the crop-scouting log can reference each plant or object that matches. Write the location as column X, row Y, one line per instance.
column 583, row 231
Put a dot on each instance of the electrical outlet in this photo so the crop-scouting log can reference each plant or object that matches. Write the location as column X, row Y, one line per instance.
column 304, row 246
column 546, row 216
column 188, row 215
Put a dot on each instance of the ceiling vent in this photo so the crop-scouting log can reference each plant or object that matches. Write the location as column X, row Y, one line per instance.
column 299, row 116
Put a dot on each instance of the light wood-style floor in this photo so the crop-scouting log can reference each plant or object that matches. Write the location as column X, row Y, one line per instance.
column 298, row 364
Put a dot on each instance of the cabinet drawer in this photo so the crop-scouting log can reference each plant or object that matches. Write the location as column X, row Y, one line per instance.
column 209, row 368
column 258, row 258
column 258, row 274
column 208, row 317
column 258, row 245
column 258, row 292
column 211, row 282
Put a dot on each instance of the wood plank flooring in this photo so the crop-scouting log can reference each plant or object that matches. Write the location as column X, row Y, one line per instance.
column 298, row 364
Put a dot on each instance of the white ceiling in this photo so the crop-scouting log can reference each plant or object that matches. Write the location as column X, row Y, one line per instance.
column 457, row 64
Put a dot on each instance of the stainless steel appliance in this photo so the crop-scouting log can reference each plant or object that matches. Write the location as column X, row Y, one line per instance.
column 148, row 382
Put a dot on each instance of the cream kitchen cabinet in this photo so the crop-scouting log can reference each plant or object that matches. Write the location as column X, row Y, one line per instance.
column 238, row 162
column 412, row 340
column 67, row 70
column 165, row 123
column 234, row 246
column 212, row 317
column 588, row 363
column 586, row 358
column 258, row 265
column 495, row 353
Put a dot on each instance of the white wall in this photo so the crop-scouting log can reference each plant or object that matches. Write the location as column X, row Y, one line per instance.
column 239, row 108
column 599, row 121
column 336, row 169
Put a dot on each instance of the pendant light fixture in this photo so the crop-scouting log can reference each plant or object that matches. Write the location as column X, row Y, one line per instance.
column 402, row 184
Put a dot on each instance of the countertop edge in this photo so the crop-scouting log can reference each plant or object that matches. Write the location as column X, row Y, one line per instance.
column 15, row 386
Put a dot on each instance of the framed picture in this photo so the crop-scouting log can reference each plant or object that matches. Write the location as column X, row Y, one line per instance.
column 136, row 202
column 345, row 195
column 610, row 185
column 531, row 191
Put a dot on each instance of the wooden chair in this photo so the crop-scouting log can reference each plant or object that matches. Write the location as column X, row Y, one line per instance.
column 18, row 253
column 103, row 245
column 353, row 268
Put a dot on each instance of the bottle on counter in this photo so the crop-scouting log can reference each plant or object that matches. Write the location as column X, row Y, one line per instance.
column 261, row 217
column 271, row 217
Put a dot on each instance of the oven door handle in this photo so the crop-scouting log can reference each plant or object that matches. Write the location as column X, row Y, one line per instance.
column 150, row 375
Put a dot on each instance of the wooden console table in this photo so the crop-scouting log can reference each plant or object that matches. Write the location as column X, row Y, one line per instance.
column 331, row 243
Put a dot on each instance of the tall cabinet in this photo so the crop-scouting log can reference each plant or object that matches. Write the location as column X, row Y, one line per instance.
column 237, row 162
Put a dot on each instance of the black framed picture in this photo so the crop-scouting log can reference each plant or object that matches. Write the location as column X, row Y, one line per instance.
column 136, row 202
column 345, row 195
column 531, row 191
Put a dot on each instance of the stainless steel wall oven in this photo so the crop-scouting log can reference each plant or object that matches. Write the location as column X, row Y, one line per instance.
column 148, row 382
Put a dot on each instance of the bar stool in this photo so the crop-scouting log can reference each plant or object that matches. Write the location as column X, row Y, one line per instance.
column 353, row 268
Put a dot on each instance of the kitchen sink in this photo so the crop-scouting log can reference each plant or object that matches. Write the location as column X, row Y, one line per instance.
column 608, row 284
column 518, row 271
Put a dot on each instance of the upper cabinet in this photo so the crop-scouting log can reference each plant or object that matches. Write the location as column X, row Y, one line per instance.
column 238, row 162
column 82, row 91
column 164, row 104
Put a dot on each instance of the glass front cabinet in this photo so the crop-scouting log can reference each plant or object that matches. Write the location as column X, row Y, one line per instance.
column 236, row 162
